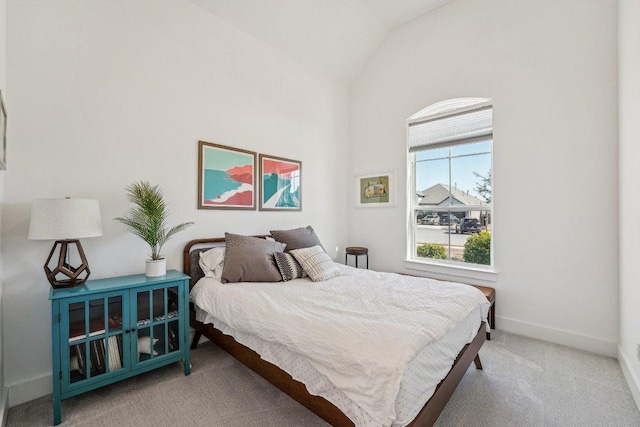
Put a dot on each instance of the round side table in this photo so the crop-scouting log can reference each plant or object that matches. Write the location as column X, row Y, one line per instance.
column 356, row 251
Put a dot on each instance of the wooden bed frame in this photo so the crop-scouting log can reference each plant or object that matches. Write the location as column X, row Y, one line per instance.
column 298, row 391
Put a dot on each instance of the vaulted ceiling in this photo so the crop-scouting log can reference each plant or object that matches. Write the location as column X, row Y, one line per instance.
column 335, row 38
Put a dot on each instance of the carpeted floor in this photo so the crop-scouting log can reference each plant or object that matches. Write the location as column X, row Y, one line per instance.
column 525, row 382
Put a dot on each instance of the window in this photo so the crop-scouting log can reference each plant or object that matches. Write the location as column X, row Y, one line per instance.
column 450, row 147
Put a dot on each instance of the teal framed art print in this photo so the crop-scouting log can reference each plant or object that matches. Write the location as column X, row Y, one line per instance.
column 280, row 180
column 226, row 177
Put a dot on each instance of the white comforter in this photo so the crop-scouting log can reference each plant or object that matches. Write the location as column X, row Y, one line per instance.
column 360, row 330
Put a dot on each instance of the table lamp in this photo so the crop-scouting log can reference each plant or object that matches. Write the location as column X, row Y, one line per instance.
column 65, row 221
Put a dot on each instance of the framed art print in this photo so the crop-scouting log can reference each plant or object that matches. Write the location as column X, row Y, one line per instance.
column 280, row 180
column 376, row 190
column 226, row 177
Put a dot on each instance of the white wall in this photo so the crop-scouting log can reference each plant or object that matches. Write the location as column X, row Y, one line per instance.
column 108, row 92
column 550, row 68
column 629, row 134
column 3, row 87
column 3, row 45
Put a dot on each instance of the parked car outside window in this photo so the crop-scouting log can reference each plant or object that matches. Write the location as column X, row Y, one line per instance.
column 448, row 219
column 468, row 225
column 431, row 220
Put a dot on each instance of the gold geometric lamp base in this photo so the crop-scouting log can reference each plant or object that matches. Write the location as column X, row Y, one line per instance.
column 64, row 275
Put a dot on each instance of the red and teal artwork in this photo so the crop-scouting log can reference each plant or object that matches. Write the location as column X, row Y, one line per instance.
column 227, row 177
column 280, row 180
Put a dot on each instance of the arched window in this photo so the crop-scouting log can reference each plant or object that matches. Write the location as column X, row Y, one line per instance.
column 450, row 148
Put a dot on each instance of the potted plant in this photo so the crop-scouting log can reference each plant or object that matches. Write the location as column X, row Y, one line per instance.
column 147, row 220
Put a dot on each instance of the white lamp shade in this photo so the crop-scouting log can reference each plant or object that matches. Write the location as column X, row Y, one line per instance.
column 62, row 219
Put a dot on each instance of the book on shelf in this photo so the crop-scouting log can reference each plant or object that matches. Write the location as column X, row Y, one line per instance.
column 81, row 356
column 97, row 358
column 174, row 345
column 115, row 358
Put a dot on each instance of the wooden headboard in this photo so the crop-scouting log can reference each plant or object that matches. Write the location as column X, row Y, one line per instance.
column 191, row 256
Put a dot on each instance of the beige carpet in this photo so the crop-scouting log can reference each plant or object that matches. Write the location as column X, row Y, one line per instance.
column 525, row 382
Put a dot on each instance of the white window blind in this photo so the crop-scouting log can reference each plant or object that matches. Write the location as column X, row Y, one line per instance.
column 451, row 124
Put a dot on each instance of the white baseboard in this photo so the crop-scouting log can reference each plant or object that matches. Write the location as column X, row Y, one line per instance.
column 4, row 406
column 30, row 389
column 632, row 379
column 558, row 336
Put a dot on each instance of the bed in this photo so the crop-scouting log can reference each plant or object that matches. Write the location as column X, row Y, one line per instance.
column 314, row 387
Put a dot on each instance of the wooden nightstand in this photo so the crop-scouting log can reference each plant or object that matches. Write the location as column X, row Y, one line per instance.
column 111, row 329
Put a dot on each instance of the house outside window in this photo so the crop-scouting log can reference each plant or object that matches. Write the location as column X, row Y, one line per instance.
column 450, row 149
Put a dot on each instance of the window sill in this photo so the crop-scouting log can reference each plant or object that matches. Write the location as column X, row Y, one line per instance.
column 453, row 272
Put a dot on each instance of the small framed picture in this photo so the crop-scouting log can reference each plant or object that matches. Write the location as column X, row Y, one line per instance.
column 3, row 134
column 280, row 180
column 226, row 177
column 376, row 190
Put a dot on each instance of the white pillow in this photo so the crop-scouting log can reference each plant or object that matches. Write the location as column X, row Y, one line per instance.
column 212, row 261
column 316, row 263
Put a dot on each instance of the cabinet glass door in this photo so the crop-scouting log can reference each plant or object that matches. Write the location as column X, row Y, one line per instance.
column 157, row 323
column 96, row 345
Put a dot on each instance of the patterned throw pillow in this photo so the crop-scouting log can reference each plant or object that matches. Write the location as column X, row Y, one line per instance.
column 316, row 263
column 288, row 266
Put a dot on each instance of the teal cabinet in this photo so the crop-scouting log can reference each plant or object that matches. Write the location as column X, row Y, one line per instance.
column 111, row 329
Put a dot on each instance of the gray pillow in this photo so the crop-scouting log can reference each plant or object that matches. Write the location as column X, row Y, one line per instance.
column 297, row 238
column 250, row 259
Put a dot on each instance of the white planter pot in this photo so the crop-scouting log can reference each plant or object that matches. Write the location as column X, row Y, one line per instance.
column 156, row 267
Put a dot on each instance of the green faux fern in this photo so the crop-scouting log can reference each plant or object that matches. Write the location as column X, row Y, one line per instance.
column 148, row 219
